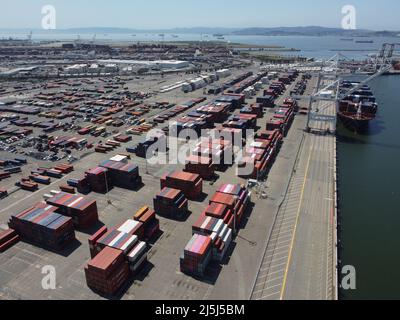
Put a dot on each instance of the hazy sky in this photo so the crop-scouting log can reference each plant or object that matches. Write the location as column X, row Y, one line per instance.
column 371, row 14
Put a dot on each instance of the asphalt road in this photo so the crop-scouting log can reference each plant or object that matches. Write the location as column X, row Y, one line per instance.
column 299, row 262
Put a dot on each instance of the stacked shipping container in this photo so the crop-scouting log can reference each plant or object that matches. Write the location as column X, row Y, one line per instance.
column 171, row 203
column 212, row 232
column 82, row 210
column 122, row 174
column 42, row 225
column 203, row 166
column 99, row 179
column 151, row 225
column 190, row 184
column 107, row 272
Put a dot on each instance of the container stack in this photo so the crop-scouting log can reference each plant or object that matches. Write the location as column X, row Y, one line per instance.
column 171, row 203
column 185, row 122
column 278, row 87
column 137, row 257
column 197, row 255
column 67, row 189
column 116, row 254
column 123, row 175
column 286, row 116
column 259, row 156
column 275, row 124
column 3, row 193
column 236, row 197
column 42, row 225
column 7, row 239
column 151, row 224
column 81, row 185
column 241, row 121
column 28, row 185
column 255, row 108
column 54, row 173
column 64, row 168
column 107, row 272
column 268, row 100
column 212, row 232
column 142, row 147
column 203, row 166
column 123, row 237
column 235, row 100
column 221, row 240
column 206, row 225
column 40, row 179
column 118, row 240
column 220, row 151
column 4, row 175
column 99, row 180
column 123, row 138
column 190, row 184
column 274, row 136
column 291, row 103
column 217, row 111
column 132, row 227
column 93, row 241
column 220, row 211
column 82, row 210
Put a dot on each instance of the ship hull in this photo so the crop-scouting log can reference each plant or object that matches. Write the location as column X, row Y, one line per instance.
column 354, row 124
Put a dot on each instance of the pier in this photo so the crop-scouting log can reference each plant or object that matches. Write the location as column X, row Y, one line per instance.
column 300, row 260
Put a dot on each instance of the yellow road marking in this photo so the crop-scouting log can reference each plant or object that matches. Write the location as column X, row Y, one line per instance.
column 295, row 227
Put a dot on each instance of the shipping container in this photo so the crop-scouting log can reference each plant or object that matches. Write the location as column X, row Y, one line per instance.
column 42, row 225
column 171, row 203
column 190, row 184
column 82, row 210
column 107, row 272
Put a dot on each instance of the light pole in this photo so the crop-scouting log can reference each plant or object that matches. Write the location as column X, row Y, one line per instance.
column 105, row 178
column 234, row 216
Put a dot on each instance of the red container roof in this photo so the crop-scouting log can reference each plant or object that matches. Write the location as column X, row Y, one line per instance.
column 105, row 258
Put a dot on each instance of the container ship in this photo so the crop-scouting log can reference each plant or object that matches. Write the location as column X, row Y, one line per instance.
column 357, row 109
column 364, row 41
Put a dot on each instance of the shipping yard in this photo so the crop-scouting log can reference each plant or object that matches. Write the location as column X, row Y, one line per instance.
column 81, row 193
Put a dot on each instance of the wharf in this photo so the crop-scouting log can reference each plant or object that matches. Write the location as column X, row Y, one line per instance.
column 300, row 260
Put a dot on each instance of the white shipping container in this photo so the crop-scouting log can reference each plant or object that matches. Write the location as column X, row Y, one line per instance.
column 213, row 236
column 258, row 85
column 128, row 226
column 223, row 73
column 198, row 83
column 129, row 244
column 186, row 87
column 228, row 236
column 223, row 231
column 136, row 252
column 119, row 158
column 219, row 225
column 265, row 80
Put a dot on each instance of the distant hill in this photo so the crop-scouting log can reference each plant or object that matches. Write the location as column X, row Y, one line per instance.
column 311, row 31
column 260, row 31
column 197, row 30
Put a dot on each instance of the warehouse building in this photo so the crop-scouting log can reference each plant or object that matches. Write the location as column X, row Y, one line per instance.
column 156, row 64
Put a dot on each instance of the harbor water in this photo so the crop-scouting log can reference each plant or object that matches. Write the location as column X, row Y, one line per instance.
column 308, row 46
column 369, row 193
